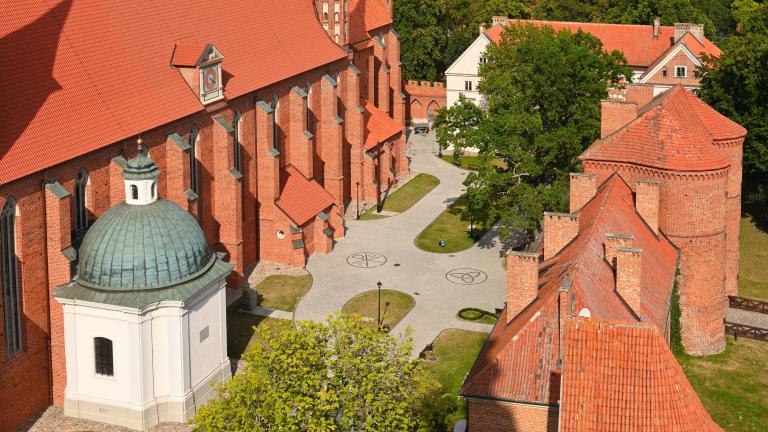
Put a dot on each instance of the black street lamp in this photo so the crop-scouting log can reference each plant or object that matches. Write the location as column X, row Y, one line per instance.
column 357, row 203
column 378, row 320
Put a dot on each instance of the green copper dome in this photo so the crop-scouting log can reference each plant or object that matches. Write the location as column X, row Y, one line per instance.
column 151, row 246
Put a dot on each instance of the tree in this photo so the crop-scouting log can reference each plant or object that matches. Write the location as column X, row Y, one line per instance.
column 423, row 37
column 456, row 127
column 735, row 84
column 543, row 90
column 338, row 376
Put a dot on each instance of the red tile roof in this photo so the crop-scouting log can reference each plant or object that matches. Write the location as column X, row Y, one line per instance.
column 302, row 199
column 379, row 127
column 668, row 134
column 87, row 74
column 519, row 362
column 621, row 376
column 365, row 16
column 718, row 125
column 635, row 41
column 187, row 54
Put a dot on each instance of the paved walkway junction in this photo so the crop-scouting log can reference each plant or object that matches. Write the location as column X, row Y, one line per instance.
column 383, row 250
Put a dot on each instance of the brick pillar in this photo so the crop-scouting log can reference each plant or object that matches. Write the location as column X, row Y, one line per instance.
column 522, row 281
column 559, row 230
column 395, row 76
column 583, row 189
column 57, row 228
column 734, row 150
column 177, row 169
column 615, row 113
column 300, row 140
column 382, row 88
column 629, row 265
column 613, row 242
column 330, row 141
column 647, row 202
column 323, row 241
column 116, row 183
column 228, row 197
column 354, row 129
column 268, row 171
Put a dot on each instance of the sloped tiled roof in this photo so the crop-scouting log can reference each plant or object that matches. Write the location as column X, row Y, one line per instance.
column 622, row 376
column 187, row 54
column 519, row 361
column 302, row 199
column 668, row 134
column 86, row 74
column 635, row 41
column 366, row 16
column 379, row 127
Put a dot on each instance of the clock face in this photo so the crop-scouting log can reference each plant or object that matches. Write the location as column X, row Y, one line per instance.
column 210, row 79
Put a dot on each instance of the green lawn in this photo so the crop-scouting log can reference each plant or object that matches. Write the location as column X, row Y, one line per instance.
column 753, row 261
column 456, row 351
column 282, row 292
column 451, row 226
column 470, row 162
column 405, row 197
column 366, row 303
column 733, row 385
column 240, row 329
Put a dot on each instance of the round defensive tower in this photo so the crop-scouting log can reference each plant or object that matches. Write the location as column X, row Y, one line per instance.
column 695, row 206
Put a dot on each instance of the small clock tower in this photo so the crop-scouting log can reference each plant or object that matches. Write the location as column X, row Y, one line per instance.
column 200, row 65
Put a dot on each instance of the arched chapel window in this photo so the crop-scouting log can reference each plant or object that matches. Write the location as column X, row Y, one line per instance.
column 310, row 116
column 103, row 356
column 192, row 141
column 81, row 211
column 9, row 266
column 275, row 127
column 236, row 139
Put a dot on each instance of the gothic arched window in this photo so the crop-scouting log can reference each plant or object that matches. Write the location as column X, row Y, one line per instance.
column 192, row 141
column 308, row 104
column 236, row 139
column 9, row 266
column 81, row 211
column 275, row 127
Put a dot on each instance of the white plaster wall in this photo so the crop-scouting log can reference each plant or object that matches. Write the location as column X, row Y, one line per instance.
column 207, row 316
column 465, row 68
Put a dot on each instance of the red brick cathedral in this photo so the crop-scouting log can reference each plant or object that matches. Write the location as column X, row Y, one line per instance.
column 266, row 118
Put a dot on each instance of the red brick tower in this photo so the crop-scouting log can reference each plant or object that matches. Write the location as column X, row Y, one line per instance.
column 698, row 189
column 333, row 16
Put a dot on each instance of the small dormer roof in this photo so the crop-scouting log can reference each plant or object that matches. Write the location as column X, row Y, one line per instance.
column 194, row 54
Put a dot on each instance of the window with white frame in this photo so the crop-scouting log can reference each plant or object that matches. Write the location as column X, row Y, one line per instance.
column 681, row 71
column 9, row 266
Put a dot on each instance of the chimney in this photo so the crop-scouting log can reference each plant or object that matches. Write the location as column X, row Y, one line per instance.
column 613, row 242
column 482, row 28
column 641, row 94
column 615, row 114
column 629, row 265
column 656, row 25
column 559, row 230
column 647, row 202
column 500, row 20
column 583, row 189
column 522, row 281
column 697, row 30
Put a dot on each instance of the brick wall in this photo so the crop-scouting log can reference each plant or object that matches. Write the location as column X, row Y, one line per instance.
column 497, row 416
column 424, row 98
column 559, row 230
column 522, row 281
column 615, row 113
column 583, row 188
column 734, row 150
column 679, row 59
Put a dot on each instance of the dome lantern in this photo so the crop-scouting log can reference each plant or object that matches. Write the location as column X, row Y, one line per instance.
column 140, row 176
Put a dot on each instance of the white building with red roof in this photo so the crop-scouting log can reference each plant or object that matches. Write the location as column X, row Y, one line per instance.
column 659, row 55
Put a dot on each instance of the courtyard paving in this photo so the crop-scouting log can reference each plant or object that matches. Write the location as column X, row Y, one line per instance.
column 383, row 250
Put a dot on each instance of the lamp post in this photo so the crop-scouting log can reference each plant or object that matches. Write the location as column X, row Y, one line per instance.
column 357, row 203
column 378, row 319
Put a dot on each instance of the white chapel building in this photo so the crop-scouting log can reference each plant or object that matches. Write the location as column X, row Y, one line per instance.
column 145, row 318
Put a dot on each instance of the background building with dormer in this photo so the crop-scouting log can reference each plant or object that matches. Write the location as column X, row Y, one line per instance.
column 267, row 120
column 661, row 56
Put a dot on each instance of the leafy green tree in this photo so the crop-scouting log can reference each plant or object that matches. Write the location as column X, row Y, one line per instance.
column 423, row 37
column 456, row 127
column 735, row 84
column 338, row 376
column 543, row 90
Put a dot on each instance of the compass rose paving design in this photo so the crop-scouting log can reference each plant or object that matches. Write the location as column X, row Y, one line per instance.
column 466, row 276
column 366, row 259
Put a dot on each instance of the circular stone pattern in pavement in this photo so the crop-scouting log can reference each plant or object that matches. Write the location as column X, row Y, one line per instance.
column 366, row 259
column 466, row 276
